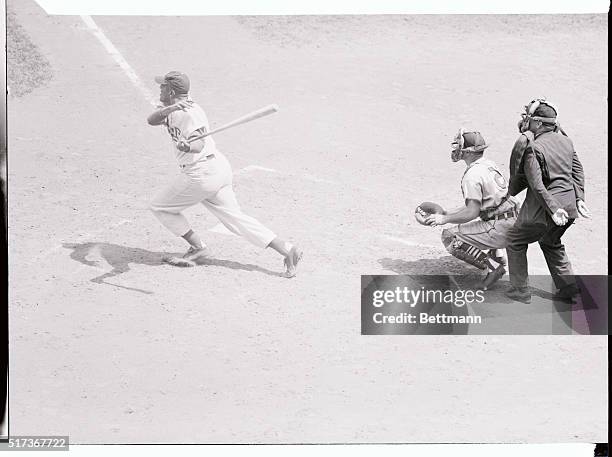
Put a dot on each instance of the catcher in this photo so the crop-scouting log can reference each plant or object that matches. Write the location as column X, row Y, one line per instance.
column 479, row 238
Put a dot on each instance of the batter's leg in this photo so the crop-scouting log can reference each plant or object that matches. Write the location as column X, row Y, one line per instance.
column 169, row 202
column 226, row 208
column 193, row 239
column 167, row 207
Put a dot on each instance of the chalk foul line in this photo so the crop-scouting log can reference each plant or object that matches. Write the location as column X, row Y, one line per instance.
column 118, row 58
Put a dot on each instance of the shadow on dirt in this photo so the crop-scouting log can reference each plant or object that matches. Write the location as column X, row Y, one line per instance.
column 592, row 311
column 120, row 257
column 447, row 265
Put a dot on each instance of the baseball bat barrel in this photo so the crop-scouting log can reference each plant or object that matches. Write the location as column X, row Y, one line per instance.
column 261, row 112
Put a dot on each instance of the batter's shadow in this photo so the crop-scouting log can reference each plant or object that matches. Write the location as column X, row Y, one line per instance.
column 120, row 257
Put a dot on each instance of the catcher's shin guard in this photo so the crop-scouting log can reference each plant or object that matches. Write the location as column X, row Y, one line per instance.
column 464, row 251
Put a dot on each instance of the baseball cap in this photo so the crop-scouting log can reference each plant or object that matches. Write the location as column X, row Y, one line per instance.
column 474, row 141
column 176, row 80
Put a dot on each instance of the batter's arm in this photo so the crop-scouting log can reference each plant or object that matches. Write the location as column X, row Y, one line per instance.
column 195, row 146
column 158, row 117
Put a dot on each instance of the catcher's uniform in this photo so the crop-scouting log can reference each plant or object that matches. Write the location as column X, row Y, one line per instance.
column 205, row 177
column 483, row 182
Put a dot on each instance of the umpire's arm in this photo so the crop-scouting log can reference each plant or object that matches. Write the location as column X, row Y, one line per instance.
column 517, row 184
column 533, row 173
column 578, row 177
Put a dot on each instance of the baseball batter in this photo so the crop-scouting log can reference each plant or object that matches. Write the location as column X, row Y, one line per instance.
column 487, row 214
column 205, row 177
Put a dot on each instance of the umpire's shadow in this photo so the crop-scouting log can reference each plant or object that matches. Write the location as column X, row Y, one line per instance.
column 120, row 257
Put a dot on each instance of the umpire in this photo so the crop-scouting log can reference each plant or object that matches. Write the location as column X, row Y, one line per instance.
column 552, row 173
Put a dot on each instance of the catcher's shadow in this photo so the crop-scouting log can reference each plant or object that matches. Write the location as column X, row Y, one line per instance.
column 446, row 265
column 540, row 288
column 449, row 265
column 120, row 257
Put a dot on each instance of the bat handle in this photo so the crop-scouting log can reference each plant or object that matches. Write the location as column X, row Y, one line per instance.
column 200, row 137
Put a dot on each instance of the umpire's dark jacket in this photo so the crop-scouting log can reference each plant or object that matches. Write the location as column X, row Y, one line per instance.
column 554, row 178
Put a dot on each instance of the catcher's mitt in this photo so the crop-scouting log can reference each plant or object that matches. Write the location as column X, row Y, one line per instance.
column 425, row 209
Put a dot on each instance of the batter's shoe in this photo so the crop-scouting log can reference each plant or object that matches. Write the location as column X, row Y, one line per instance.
column 492, row 277
column 516, row 294
column 291, row 262
column 192, row 257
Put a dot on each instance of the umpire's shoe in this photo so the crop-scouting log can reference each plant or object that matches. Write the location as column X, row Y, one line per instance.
column 291, row 261
column 516, row 294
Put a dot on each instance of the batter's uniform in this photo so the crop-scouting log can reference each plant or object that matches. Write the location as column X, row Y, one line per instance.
column 482, row 181
column 206, row 178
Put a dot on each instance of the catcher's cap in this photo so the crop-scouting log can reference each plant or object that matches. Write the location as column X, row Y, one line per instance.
column 178, row 81
column 469, row 142
column 474, row 142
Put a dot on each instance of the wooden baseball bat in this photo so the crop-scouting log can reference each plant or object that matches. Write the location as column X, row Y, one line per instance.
column 261, row 112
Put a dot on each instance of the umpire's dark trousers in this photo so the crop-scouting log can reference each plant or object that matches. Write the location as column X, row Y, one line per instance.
column 549, row 237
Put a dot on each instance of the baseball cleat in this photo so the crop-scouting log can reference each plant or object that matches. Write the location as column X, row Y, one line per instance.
column 492, row 277
column 191, row 258
column 522, row 295
column 291, row 261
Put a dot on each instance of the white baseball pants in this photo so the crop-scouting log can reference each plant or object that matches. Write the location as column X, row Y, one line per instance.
column 209, row 183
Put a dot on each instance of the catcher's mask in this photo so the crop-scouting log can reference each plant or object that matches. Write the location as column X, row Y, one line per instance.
column 529, row 114
column 467, row 142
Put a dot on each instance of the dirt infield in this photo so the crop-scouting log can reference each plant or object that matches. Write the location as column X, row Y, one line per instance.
column 110, row 345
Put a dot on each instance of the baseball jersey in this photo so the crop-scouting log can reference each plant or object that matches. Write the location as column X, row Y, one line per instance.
column 181, row 124
column 483, row 182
